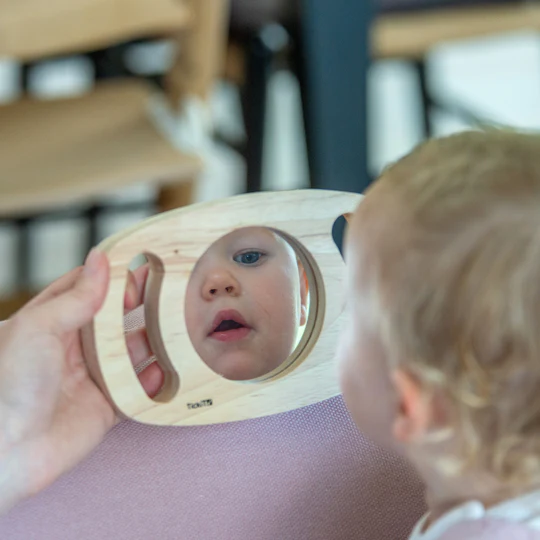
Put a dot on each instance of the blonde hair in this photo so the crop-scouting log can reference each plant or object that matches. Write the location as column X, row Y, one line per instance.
column 461, row 303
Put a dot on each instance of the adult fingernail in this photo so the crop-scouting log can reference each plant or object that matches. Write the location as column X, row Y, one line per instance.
column 91, row 266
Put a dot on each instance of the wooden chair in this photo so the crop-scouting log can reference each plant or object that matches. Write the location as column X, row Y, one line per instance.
column 63, row 154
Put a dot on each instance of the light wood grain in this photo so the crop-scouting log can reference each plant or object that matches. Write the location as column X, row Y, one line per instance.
column 412, row 35
column 174, row 242
column 32, row 29
column 201, row 53
column 60, row 152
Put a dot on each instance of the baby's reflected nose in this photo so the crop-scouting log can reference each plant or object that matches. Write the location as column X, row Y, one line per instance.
column 219, row 284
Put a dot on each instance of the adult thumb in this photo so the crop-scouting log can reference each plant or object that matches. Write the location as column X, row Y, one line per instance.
column 76, row 306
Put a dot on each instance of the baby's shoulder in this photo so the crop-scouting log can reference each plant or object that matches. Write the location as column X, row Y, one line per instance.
column 490, row 529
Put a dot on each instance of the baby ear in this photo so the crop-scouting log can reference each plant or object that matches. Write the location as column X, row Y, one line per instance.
column 414, row 413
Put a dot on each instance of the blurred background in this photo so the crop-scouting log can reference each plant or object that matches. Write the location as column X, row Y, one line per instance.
column 113, row 110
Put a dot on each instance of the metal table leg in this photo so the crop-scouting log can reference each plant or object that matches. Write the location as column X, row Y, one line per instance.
column 259, row 62
column 262, row 50
column 336, row 38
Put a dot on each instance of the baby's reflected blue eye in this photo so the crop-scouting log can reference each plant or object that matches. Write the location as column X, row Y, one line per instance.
column 248, row 257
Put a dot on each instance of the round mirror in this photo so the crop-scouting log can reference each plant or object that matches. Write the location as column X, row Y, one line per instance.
column 247, row 304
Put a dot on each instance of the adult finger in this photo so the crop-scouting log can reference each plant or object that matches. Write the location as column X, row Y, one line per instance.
column 138, row 346
column 135, row 287
column 152, row 379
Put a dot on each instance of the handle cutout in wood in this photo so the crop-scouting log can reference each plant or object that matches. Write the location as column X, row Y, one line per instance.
column 151, row 293
column 171, row 382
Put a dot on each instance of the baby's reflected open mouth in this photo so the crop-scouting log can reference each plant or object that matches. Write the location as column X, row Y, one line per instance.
column 229, row 326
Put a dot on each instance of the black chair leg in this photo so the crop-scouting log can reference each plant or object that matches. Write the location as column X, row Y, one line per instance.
column 109, row 63
column 298, row 64
column 258, row 68
column 23, row 261
column 92, row 238
column 427, row 102
column 25, row 77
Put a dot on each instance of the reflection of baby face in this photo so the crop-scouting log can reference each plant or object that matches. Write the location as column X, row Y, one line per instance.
column 244, row 303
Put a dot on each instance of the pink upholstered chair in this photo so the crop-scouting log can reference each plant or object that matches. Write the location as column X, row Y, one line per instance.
column 304, row 475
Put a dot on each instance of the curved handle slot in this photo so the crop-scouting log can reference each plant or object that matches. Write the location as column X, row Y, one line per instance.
column 113, row 366
column 171, row 381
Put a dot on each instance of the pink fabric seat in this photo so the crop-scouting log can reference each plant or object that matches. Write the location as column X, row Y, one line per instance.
column 303, row 475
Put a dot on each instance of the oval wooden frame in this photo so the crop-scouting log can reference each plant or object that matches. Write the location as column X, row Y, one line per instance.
column 173, row 242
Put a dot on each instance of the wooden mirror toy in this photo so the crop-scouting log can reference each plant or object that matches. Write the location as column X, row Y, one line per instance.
column 243, row 307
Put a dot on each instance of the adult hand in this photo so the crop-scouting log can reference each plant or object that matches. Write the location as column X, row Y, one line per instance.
column 52, row 415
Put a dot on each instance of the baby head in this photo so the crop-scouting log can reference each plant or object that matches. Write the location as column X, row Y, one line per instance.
column 443, row 256
column 245, row 303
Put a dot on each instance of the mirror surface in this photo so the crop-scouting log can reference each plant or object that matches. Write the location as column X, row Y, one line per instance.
column 247, row 303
